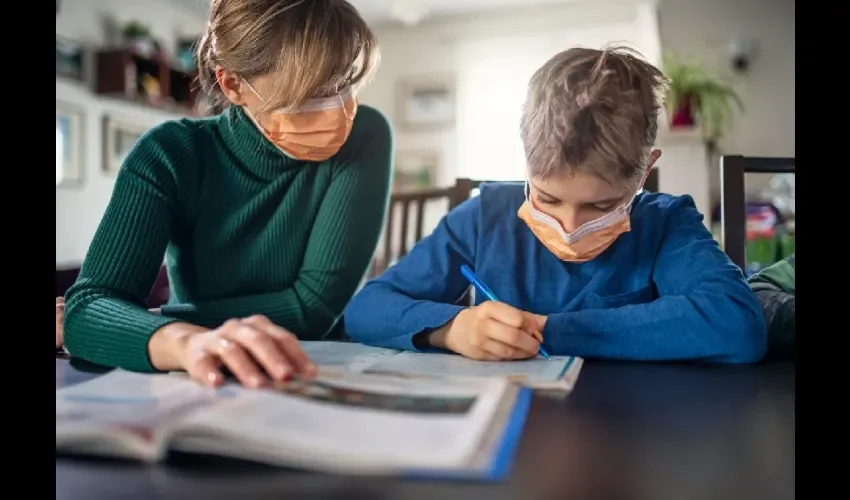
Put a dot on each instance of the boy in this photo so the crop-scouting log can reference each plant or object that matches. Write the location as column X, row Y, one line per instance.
column 578, row 253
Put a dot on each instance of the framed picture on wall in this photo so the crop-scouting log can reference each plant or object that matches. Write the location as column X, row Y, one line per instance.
column 415, row 170
column 69, row 145
column 185, row 53
column 69, row 59
column 427, row 102
column 119, row 137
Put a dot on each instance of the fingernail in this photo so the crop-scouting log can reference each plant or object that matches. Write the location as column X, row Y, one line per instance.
column 255, row 381
column 281, row 371
column 212, row 378
column 312, row 369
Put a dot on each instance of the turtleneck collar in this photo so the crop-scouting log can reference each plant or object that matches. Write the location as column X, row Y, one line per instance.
column 248, row 145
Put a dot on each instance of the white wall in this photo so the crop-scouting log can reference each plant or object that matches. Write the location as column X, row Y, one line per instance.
column 705, row 29
column 78, row 210
column 492, row 57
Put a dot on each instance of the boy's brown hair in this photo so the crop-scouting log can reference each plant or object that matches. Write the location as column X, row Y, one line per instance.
column 313, row 47
column 593, row 111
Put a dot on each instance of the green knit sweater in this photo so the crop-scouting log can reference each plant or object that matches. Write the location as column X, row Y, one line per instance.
column 244, row 230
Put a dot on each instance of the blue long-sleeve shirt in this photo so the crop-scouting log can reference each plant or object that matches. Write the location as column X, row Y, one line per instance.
column 663, row 291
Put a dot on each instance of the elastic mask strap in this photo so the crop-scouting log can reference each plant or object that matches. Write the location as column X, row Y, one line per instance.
column 252, row 89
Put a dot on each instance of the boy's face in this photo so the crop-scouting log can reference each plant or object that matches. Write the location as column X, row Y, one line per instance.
column 576, row 198
column 573, row 199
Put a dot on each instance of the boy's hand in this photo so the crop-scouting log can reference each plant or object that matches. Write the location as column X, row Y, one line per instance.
column 491, row 331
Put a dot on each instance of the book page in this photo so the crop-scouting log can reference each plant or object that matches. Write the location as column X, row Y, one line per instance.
column 134, row 404
column 350, row 422
column 348, row 355
column 453, row 365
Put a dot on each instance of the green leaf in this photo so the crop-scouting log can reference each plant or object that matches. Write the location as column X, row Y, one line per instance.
column 713, row 100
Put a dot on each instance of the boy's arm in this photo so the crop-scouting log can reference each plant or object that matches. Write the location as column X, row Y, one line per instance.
column 418, row 293
column 705, row 308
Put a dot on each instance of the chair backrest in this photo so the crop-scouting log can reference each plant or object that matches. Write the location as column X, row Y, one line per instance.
column 405, row 203
column 733, row 203
column 651, row 184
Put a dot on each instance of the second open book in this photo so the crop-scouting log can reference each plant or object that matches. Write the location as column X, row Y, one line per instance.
column 557, row 375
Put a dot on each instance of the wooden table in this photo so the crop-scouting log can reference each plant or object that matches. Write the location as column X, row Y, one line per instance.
column 628, row 431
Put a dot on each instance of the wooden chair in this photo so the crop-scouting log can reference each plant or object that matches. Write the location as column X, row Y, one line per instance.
column 402, row 203
column 651, row 184
column 733, row 204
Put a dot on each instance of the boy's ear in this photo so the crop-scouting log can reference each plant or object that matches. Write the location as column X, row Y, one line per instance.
column 654, row 155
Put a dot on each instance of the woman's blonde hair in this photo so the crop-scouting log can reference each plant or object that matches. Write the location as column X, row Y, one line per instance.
column 594, row 111
column 312, row 47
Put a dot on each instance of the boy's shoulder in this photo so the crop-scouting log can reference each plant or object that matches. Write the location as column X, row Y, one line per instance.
column 661, row 203
column 656, row 209
column 508, row 195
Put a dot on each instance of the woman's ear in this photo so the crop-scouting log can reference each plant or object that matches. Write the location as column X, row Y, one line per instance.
column 231, row 85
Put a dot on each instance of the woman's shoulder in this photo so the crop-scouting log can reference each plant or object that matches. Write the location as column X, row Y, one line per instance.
column 369, row 148
column 167, row 154
column 172, row 143
column 371, row 130
column 179, row 135
column 371, row 121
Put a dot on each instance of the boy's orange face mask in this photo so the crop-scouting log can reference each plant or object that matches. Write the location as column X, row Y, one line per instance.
column 591, row 238
column 315, row 131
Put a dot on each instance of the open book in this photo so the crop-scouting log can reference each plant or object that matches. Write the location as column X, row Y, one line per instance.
column 340, row 422
column 558, row 374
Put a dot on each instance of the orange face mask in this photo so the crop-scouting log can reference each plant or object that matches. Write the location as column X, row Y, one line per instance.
column 565, row 246
column 588, row 241
column 313, row 132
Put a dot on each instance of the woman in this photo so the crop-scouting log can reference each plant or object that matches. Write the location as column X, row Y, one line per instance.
column 267, row 214
column 579, row 252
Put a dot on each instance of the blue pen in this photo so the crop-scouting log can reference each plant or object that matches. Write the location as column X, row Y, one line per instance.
column 477, row 283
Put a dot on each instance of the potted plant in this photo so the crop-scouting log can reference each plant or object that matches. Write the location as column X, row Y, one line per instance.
column 698, row 97
column 137, row 37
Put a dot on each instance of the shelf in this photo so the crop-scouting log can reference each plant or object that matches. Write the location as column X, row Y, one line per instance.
column 121, row 74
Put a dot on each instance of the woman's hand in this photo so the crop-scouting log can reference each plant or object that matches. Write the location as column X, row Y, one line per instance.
column 253, row 349
column 60, row 318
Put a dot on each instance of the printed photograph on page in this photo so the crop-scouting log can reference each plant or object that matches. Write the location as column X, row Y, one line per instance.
column 326, row 393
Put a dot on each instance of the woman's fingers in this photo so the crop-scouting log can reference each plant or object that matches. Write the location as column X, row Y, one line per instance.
column 240, row 363
column 264, row 348
column 204, row 367
column 298, row 359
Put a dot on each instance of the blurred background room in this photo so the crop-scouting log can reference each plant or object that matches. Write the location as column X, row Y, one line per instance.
column 452, row 81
